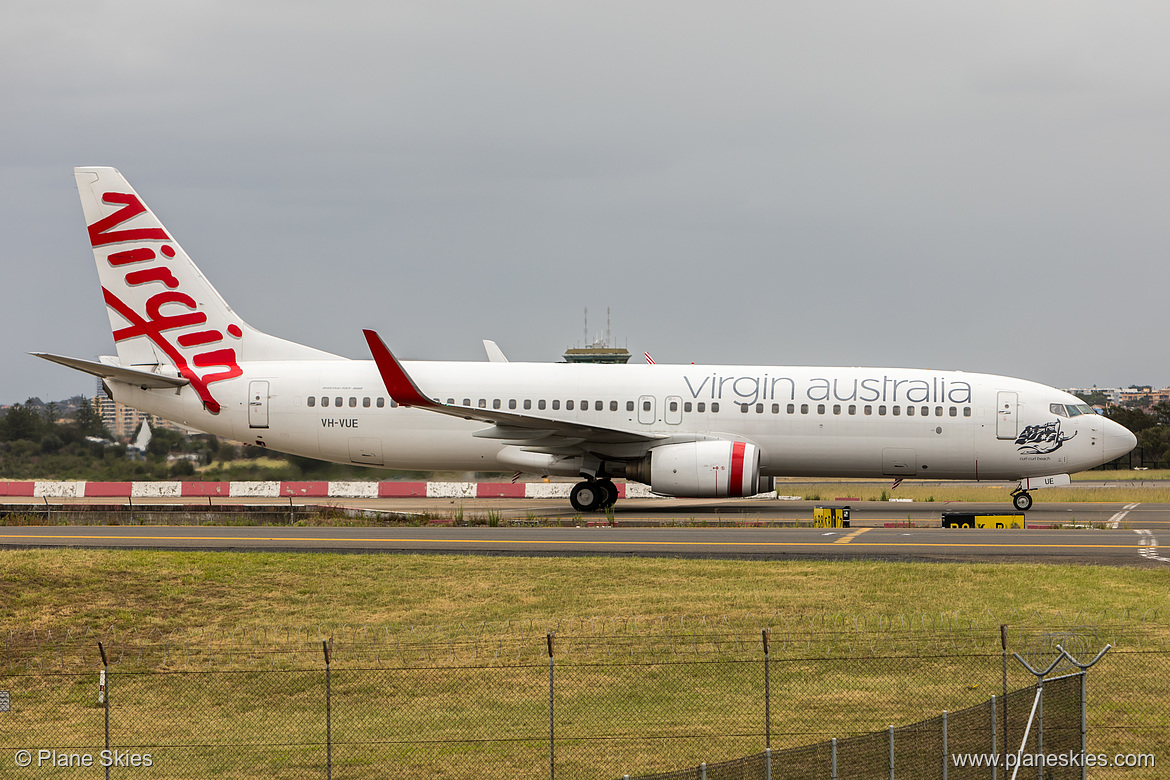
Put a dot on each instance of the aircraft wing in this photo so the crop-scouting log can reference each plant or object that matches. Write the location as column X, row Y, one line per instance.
column 533, row 434
column 129, row 376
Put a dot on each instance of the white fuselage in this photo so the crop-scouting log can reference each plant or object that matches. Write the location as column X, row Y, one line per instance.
column 823, row 422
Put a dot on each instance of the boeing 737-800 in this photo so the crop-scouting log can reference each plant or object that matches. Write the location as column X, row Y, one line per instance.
column 685, row 430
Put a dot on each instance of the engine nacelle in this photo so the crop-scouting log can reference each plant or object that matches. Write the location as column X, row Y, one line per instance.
column 701, row 469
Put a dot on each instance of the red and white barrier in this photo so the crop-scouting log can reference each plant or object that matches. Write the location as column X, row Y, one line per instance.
column 451, row 490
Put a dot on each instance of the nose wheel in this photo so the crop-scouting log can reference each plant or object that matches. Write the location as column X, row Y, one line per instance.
column 1022, row 501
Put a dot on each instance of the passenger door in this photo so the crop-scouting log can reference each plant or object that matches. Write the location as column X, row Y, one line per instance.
column 258, row 404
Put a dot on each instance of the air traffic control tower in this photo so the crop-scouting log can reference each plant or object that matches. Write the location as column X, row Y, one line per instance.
column 600, row 350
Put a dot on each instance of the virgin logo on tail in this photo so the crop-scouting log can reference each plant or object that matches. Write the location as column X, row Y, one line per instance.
column 144, row 266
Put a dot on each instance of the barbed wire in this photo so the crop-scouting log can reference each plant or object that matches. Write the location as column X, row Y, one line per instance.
column 582, row 638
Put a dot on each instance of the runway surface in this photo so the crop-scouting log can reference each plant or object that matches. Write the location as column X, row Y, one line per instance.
column 1107, row 534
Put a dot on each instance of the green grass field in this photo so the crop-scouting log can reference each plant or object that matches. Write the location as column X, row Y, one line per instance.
column 439, row 665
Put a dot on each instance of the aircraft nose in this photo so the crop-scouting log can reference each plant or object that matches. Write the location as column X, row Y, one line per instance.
column 1118, row 440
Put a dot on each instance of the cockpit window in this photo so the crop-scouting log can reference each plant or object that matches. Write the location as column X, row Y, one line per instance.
column 1070, row 410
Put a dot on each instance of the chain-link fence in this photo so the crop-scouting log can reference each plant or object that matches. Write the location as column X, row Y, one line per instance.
column 599, row 707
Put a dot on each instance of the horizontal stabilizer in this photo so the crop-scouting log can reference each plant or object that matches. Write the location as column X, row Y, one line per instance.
column 130, row 376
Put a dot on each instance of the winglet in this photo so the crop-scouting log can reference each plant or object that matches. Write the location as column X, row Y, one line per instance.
column 398, row 383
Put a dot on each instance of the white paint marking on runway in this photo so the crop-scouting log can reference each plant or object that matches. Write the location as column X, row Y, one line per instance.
column 1149, row 546
column 1115, row 521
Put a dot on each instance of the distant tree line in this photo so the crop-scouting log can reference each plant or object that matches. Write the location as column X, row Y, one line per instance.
column 67, row 440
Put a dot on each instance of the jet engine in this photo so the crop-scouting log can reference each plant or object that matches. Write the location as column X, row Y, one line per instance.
column 702, row 469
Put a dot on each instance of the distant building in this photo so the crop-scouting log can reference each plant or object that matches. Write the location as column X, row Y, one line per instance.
column 599, row 351
column 122, row 421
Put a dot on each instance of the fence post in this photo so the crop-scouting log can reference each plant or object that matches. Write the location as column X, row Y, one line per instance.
column 891, row 751
column 834, row 776
column 1084, row 701
column 328, row 715
column 552, row 764
column 994, row 750
column 767, row 697
column 945, row 757
column 1003, row 646
column 106, row 676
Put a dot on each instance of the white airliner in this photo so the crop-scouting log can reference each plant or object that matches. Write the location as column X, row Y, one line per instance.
column 685, row 430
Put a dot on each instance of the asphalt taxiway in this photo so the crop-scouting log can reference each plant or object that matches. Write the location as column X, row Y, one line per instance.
column 1102, row 534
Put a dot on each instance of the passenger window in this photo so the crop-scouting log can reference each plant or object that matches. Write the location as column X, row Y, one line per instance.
column 569, row 405
column 852, row 408
column 759, row 408
column 599, row 406
column 925, row 411
column 467, row 402
column 645, row 406
column 909, row 411
column 882, row 410
column 495, row 403
column 714, row 407
column 629, row 406
column 381, row 402
column 527, row 403
column 352, row 402
column 775, row 408
column 540, row 404
column 338, row 402
column 366, row 402
column 743, row 408
column 836, row 408
column 954, row 412
column 483, row 403
column 700, row 407
column 897, row 410
column 674, row 406
column 556, row 404
column 792, row 408
column 966, row 411
column 613, row 406
column 938, row 411
column 804, row 408
column 868, row 409
column 687, row 406
column 511, row 403
column 820, row 408
column 311, row 400
column 393, row 404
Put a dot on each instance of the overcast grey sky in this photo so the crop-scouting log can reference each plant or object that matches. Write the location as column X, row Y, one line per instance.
column 944, row 185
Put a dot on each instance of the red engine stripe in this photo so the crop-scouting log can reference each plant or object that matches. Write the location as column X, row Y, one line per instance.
column 735, row 488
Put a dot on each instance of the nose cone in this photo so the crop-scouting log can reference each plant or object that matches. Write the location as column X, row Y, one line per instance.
column 1118, row 440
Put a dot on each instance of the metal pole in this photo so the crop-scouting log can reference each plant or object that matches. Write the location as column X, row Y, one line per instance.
column 834, row 776
column 767, row 763
column 1084, row 724
column 891, row 751
column 767, row 695
column 945, row 762
column 1003, row 645
column 328, row 715
column 1040, row 727
column 106, row 669
column 552, row 764
column 1084, row 701
column 994, row 751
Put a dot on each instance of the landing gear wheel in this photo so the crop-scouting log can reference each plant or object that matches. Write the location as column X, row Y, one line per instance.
column 1022, row 501
column 610, row 493
column 586, row 496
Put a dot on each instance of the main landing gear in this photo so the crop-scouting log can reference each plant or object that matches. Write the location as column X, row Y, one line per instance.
column 1021, row 500
column 593, row 494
